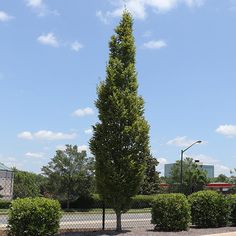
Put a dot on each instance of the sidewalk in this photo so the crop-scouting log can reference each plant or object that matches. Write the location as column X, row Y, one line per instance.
column 223, row 234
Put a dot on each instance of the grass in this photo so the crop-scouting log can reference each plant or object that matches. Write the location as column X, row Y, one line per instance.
column 108, row 211
column 92, row 211
column 3, row 211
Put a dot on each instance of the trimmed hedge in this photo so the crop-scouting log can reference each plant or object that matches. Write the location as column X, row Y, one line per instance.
column 209, row 209
column 83, row 203
column 34, row 216
column 171, row 212
column 4, row 204
column 142, row 201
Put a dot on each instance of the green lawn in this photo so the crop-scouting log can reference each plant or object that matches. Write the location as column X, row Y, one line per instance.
column 93, row 211
column 3, row 211
column 108, row 211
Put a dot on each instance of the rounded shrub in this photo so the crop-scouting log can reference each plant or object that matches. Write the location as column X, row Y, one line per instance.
column 209, row 209
column 34, row 216
column 171, row 212
column 232, row 200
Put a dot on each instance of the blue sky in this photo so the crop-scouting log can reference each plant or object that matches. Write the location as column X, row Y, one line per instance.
column 54, row 53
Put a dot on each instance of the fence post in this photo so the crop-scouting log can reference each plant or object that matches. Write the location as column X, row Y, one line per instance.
column 103, row 215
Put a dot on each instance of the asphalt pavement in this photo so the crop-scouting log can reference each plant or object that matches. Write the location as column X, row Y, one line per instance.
column 94, row 221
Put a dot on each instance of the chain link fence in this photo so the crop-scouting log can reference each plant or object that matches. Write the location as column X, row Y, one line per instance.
column 92, row 216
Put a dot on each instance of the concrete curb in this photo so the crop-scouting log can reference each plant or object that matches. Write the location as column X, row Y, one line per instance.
column 222, row 234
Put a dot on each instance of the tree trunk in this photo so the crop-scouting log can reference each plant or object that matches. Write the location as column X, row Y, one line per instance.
column 118, row 221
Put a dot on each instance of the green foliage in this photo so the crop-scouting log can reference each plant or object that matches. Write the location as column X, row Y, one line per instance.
column 171, row 212
column 151, row 182
column 142, row 201
column 70, row 174
column 194, row 178
column 4, row 204
column 209, row 209
column 34, row 216
column 95, row 201
column 120, row 142
column 83, row 203
column 221, row 178
column 27, row 184
column 232, row 199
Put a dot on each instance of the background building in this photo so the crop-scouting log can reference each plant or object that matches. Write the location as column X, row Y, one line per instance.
column 208, row 168
column 6, row 182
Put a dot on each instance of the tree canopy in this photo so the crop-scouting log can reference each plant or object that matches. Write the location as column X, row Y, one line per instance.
column 151, row 182
column 120, row 142
column 194, row 178
column 70, row 174
column 28, row 184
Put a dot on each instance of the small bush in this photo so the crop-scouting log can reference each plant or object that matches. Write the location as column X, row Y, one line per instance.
column 209, row 209
column 171, row 212
column 34, row 216
column 232, row 199
column 4, row 204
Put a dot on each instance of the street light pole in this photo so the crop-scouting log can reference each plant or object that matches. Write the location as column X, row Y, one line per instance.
column 181, row 171
column 181, row 163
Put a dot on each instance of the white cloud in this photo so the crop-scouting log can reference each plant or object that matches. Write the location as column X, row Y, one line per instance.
column 102, row 17
column 162, row 161
column 76, row 46
column 147, row 34
column 61, row 147
column 88, row 131
column 5, row 17
column 11, row 162
column 181, row 142
column 138, row 8
column 227, row 130
column 48, row 39
column 25, row 135
column 83, row 112
column 50, row 135
column 40, row 8
column 34, row 3
column 82, row 148
column 158, row 44
column 34, row 154
column 47, row 135
column 218, row 167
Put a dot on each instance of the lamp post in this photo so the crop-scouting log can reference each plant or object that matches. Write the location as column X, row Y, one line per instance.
column 181, row 163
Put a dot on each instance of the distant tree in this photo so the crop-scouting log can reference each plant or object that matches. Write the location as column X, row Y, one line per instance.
column 221, row 178
column 70, row 174
column 27, row 184
column 194, row 178
column 151, row 182
column 120, row 142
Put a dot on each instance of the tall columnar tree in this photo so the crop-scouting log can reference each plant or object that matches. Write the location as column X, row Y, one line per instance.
column 120, row 142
